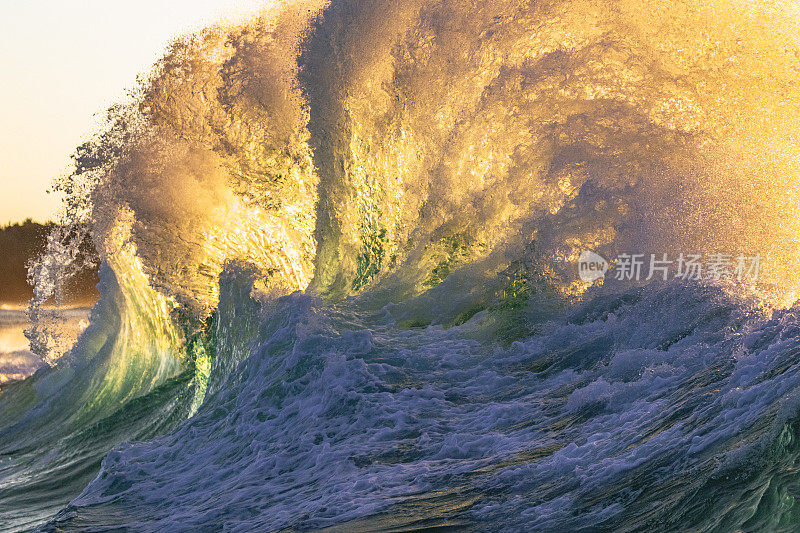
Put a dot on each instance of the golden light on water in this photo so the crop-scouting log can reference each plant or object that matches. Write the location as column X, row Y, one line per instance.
column 450, row 137
column 429, row 173
column 64, row 62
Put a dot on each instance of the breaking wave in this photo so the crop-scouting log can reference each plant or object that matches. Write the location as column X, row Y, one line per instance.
column 339, row 246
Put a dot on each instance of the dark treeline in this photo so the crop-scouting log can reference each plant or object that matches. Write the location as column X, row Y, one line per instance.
column 19, row 243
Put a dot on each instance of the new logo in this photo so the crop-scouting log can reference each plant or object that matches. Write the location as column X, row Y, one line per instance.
column 591, row 267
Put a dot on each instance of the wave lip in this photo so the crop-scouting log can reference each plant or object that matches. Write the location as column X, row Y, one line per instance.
column 338, row 285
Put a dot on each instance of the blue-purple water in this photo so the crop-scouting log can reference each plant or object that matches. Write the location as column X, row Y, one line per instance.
column 340, row 289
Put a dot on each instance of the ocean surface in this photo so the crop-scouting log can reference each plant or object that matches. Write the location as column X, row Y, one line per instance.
column 340, row 287
column 657, row 407
column 17, row 362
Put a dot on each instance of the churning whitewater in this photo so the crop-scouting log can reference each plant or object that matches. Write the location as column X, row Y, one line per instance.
column 339, row 290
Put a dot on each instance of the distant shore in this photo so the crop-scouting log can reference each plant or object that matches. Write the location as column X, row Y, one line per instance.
column 19, row 244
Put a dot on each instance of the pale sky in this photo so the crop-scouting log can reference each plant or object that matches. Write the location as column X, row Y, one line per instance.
column 64, row 61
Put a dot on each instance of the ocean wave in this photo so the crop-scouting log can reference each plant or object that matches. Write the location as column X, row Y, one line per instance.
column 339, row 285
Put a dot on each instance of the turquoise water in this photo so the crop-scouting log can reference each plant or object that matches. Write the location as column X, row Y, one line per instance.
column 618, row 414
column 339, row 282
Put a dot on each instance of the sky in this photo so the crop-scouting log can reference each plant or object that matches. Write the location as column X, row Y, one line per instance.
column 62, row 63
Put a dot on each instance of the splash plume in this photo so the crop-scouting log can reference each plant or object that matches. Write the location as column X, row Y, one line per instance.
column 340, row 238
